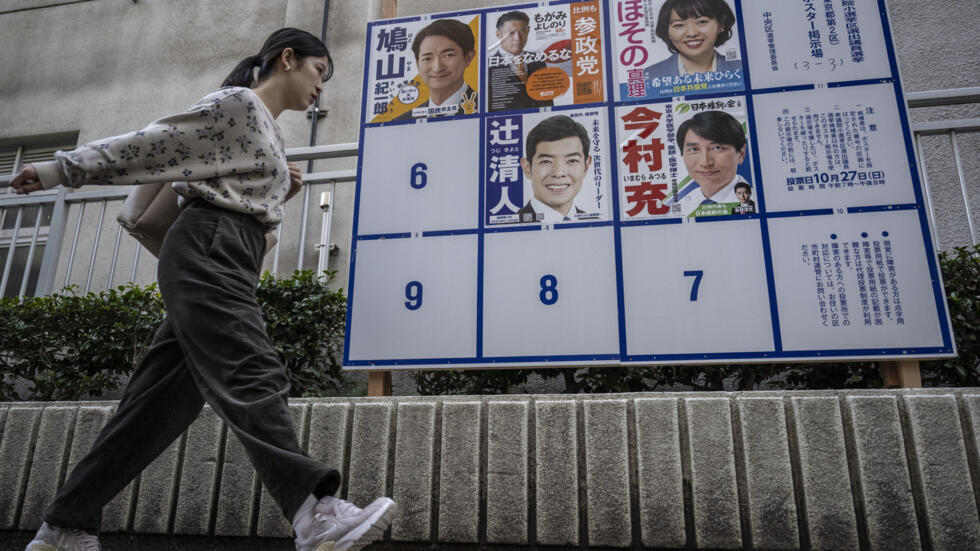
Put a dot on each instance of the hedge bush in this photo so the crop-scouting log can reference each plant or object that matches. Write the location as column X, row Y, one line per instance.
column 67, row 346
column 961, row 277
column 305, row 320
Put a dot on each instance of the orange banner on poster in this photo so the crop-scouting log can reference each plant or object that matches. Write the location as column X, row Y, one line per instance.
column 586, row 52
column 547, row 84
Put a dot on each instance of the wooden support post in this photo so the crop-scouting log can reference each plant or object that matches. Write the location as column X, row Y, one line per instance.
column 901, row 374
column 379, row 383
column 389, row 9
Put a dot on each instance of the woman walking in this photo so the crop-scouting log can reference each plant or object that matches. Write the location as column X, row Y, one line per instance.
column 226, row 158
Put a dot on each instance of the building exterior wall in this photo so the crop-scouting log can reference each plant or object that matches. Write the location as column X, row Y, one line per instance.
column 936, row 50
column 104, row 67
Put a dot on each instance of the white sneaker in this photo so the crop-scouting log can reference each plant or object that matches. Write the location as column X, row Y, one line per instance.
column 337, row 525
column 52, row 538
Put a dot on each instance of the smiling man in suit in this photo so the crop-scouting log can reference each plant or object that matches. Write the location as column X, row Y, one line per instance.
column 557, row 160
column 510, row 65
column 443, row 50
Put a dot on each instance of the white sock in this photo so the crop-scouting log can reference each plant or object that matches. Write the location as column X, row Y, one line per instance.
column 304, row 511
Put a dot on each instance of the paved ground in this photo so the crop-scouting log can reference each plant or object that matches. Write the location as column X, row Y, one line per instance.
column 17, row 541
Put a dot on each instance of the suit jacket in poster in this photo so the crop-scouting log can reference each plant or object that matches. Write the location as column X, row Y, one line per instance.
column 528, row 214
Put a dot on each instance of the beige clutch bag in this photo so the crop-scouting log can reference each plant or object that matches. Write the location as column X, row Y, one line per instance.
column 150, row 210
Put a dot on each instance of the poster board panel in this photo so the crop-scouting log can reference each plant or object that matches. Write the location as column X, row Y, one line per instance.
column 541, row 301
column 709, row 296
column 420, row 185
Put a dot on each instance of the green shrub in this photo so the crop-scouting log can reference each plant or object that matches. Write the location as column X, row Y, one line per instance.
column 961, row 277
column 452, row 381
column 305, row 320
column 67, row 346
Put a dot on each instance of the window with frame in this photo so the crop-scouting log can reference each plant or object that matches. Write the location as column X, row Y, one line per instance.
column 24, row 228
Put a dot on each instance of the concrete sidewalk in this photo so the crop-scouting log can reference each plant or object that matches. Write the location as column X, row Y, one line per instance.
column 773, row 470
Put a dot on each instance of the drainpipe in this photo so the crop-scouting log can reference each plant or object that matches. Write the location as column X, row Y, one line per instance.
column 314, row 114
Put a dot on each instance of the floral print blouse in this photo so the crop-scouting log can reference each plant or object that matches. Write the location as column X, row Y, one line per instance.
column 225, row 149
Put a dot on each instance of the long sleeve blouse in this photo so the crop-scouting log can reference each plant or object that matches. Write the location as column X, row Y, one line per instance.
column 226, row 149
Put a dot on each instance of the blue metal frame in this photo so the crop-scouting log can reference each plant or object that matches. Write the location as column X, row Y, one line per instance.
column 760, row 186
column 762, row 216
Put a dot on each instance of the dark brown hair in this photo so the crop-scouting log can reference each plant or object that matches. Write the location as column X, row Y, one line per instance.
column 689, row 9
column 459, row 33
column 303, row 44
column 553, row 129
column 717, row 126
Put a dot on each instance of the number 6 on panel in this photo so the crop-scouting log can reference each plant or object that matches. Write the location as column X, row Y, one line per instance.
column 413, row 292
column 419, row 177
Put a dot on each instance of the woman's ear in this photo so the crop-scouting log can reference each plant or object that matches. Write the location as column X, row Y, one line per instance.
column 288, row 58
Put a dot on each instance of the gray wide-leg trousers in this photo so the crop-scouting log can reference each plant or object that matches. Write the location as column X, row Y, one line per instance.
column 211, row 348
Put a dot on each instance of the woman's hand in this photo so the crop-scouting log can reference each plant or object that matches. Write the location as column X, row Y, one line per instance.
column 26, row 180
column 295, row 180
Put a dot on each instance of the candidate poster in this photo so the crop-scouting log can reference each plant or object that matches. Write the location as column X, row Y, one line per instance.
column 544, row 56
column 423, row 69
column 547, row 168
column 685, row 159
column 667, row 48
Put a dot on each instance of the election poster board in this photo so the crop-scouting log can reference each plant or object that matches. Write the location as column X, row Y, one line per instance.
column 639, row 182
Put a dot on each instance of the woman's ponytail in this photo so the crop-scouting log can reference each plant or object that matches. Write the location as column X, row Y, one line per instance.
column 302, row 43
column 244, row 73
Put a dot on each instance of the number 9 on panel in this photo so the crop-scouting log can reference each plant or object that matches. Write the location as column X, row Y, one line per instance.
column 414, row 299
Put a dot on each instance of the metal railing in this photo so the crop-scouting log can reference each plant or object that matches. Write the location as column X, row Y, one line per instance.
column 59, row 264
column 82, row 216
column 953, row 129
